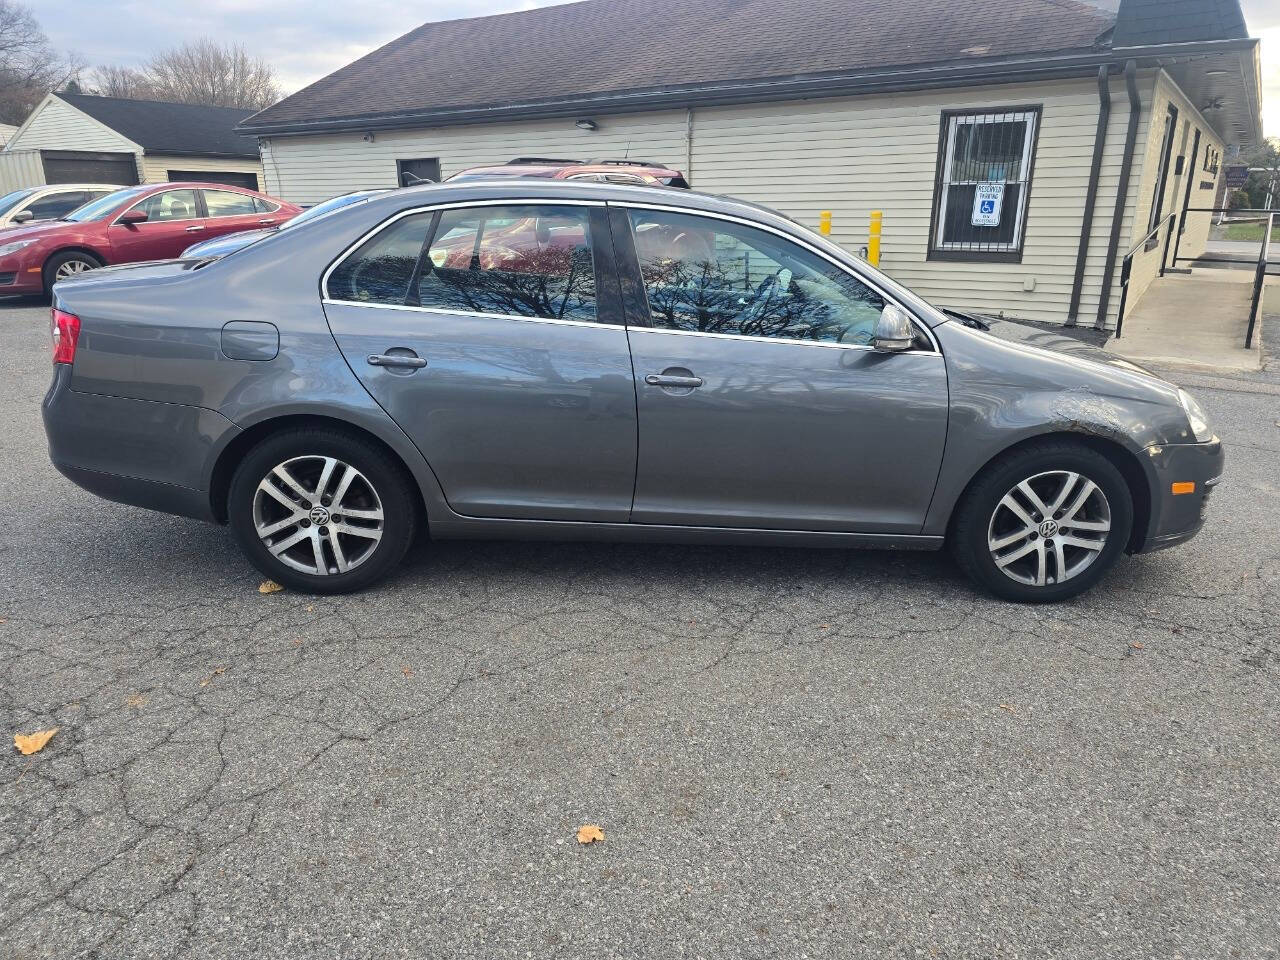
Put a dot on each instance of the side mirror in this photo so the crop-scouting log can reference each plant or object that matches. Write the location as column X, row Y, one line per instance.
column 23, row 216
column 133, row 216
column 894, row 332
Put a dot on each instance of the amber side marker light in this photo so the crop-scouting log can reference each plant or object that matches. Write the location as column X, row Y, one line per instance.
column 1180, row 488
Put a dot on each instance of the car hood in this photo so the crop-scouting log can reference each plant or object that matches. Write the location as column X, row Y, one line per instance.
column 34, row 231
column 1036, row 336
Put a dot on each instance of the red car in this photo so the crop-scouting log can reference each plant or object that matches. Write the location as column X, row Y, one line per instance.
column 152, row 222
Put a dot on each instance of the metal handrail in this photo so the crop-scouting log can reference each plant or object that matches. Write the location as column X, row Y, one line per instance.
column 1126, row 265
column 1259, row 279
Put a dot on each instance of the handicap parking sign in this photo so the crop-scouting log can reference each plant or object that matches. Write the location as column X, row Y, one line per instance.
column 987, row 201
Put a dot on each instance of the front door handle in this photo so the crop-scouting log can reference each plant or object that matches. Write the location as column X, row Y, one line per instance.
column 196, row 229
column 267, row 222
column 666, row 380
column 396, row 360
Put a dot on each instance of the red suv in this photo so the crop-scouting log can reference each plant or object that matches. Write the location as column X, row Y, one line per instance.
column 153, row 222
column 640, row 172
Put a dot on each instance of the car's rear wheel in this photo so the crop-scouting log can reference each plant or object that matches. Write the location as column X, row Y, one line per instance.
column 69, row 263
column 322, row 511
column 1043, row 523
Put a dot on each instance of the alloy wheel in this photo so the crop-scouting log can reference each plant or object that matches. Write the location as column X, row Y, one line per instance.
column 1049, row 528
column 71, row 268
column 318, row 515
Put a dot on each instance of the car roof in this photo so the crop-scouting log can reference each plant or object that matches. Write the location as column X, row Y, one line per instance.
column 45, row 187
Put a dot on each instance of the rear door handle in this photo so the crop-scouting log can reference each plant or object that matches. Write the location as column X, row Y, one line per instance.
column 396, row 360
column 268, row 221
column 666, row 380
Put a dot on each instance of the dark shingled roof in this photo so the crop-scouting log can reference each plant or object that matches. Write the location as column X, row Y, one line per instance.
column 182, row 129
column 600, row 47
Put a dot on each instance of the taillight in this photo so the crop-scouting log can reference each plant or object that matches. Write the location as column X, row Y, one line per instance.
column 66, row 331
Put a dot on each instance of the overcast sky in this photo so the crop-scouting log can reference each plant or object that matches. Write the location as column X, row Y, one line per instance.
column 306, row 39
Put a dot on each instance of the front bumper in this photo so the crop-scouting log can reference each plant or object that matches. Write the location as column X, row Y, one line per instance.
column 1195, row 468
column 141, row 452
column 17, row 279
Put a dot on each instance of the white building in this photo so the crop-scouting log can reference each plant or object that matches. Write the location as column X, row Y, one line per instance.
column 1084, row 128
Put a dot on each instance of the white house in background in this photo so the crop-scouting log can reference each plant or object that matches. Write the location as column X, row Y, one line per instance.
column 77, row 138
column 7, row 130
column 1082, row 127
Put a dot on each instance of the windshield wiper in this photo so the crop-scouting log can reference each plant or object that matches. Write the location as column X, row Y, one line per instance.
column 968, row 319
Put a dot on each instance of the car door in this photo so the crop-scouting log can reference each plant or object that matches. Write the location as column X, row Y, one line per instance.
column 761, row 401
column 173, row 223
column 499, row 347
column 229, row 212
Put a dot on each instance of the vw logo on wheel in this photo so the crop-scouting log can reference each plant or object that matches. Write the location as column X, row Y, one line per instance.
column 319, row 515
column 1048, row 528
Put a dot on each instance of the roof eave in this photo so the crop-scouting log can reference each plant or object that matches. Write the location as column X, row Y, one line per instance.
column 1003, row 70
column 166, row 152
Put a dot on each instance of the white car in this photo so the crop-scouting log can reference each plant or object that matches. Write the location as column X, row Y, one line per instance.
column 49, row 202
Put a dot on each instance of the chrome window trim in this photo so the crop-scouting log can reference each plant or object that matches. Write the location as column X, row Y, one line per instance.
column 801, row 242
column 431, row 208
column 472, row 313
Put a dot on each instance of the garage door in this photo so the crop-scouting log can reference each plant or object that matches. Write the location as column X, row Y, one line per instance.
column 74, row 166
column 248, row 180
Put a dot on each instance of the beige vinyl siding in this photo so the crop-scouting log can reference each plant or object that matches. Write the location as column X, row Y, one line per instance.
column 20, row 169
column 156, row 166
column 1146, row 263
column 310, row 169
column 56, row 125
column 848, row 155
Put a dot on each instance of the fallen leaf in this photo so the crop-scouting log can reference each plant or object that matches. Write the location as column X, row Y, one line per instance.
column 217, row 672
column 29, row 743
column 269, row 586
column 589, row 833
column 1008, row 706
column 137, row 700
column 311, row 608
column 407, row 671
column 1137, row 644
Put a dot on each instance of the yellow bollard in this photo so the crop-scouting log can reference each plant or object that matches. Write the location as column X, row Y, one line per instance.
column 873, row 238
column 824, row 223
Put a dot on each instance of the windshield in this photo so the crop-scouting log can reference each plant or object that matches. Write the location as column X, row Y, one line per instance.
column 328, row 206
column 102, row 208
column 9, row 202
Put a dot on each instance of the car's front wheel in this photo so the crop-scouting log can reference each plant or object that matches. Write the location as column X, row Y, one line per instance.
column 1043, row 523
column 69, row 263
column 322, row 511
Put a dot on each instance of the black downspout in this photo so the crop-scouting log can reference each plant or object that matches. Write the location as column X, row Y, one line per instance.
column 1091, row 194
column 1122, row 192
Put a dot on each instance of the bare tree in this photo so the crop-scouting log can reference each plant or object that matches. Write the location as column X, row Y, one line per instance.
column 208, row 72
column 30, row 68
column 124, row 82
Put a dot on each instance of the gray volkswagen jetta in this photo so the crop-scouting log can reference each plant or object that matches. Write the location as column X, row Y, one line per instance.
column 559, row 360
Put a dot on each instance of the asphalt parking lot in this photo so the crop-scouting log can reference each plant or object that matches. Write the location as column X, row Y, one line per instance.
column 790, row 753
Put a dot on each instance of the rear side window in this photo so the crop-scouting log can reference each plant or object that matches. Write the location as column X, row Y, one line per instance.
column 224, row 203
column 513, row 261
column 382, row 269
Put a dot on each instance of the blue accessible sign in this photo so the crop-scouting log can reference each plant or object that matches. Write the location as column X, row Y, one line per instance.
column 988, row 198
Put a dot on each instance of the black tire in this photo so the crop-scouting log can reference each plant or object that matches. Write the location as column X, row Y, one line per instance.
column 59, row 260
column 975, row 519
column 381, row 482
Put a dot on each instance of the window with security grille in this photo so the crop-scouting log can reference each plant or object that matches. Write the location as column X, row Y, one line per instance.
column 985, row 162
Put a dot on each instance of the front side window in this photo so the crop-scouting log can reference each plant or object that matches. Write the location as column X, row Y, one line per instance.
column 224, row 203
column 383, row 267
column 516, row 261
column 984, row 175
column 170, row 205
column 711, row 276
